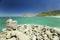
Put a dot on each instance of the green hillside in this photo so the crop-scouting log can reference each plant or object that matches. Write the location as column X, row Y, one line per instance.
column 49, row 13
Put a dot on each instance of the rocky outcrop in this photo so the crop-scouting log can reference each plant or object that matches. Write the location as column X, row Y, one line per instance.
column 28, row 32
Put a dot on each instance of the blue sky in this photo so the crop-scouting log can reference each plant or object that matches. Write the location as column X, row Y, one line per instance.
column 18, row 7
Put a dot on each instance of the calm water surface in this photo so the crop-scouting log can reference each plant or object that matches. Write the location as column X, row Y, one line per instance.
column 50, row 21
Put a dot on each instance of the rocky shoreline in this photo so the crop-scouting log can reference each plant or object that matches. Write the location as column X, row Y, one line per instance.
column 28, row 32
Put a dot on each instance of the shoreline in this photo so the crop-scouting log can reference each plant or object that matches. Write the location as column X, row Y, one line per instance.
column 54, row 16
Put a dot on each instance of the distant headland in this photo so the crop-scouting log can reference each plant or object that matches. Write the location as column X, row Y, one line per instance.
column 48, row 13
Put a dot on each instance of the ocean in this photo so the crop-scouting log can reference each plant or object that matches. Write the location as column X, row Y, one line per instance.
column 49, row 21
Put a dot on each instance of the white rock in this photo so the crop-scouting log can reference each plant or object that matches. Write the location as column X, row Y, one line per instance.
column 56, row 38
column 12, row 38
column 21, row 36
column 34, row 37
column 8, row 34
column 57, row 30
column 9, row 22
column 13, row 33
column 31, row 31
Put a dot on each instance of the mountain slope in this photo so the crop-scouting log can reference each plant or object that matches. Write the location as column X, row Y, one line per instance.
column 49, row 13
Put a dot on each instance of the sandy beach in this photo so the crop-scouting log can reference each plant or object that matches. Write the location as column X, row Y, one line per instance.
column 54, row 16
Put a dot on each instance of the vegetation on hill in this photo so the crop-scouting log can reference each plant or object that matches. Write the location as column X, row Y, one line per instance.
column 49, row 13
column 26, row 14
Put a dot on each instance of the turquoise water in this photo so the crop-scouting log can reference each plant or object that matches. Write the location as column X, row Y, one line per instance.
column 53, row 22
